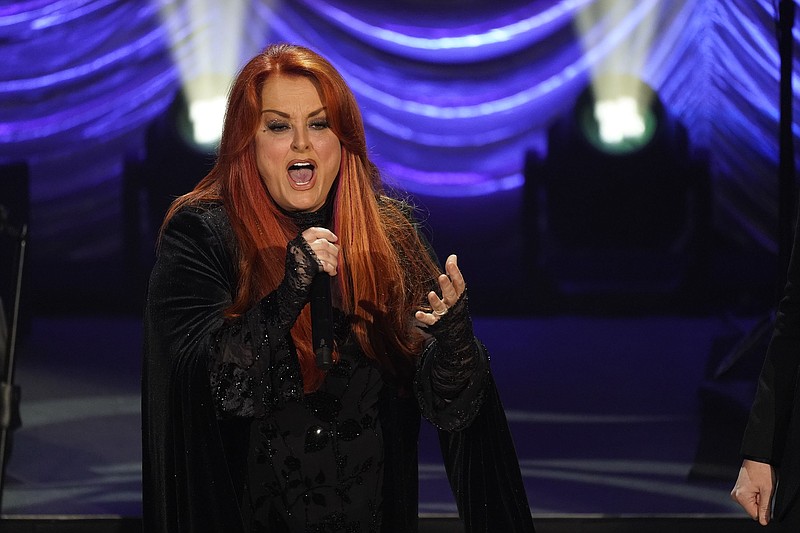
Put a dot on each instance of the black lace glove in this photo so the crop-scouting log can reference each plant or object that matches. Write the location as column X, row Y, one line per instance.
column 292, row 294
column 458, row 356
column 453, row 372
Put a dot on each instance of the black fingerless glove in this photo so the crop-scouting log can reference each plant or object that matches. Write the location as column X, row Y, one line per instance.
column 453, row 330
column 458, row 355
column 293, row 292
column 301, row 265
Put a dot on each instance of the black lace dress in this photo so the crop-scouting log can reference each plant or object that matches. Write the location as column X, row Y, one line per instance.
column 317, row 464
column 231, row 442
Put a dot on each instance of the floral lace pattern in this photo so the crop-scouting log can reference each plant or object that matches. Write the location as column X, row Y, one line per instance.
column 246, row 380
column 317, row 464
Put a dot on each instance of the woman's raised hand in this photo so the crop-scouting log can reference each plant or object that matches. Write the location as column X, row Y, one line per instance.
column 452, row 286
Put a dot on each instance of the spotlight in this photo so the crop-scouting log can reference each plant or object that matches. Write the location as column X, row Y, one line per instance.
column 206, row 118
column 618, row 114
column 197, row 124
column 206, row 46
column 618, row 207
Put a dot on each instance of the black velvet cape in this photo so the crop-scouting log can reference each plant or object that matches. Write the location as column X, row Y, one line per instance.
column 189, row 456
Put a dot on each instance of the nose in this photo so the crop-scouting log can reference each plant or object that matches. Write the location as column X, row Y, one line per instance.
column 300, row 141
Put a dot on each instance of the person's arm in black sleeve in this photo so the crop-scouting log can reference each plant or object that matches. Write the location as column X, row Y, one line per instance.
column 241, row 352
column 767, row 434
column 454, row 367
column 193, row 283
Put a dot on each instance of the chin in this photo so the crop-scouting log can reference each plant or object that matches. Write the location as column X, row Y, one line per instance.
column 305, row 206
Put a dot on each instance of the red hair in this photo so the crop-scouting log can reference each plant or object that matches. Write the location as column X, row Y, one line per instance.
column 384, row 269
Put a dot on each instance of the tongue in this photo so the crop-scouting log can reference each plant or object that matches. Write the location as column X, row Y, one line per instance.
column 302, row 175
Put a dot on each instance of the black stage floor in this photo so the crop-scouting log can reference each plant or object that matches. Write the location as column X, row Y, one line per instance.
column 560, row 524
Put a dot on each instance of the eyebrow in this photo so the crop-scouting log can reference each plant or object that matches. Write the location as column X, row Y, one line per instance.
column 286, row 115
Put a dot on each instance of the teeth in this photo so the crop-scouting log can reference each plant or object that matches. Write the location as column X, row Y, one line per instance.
column 301, row 165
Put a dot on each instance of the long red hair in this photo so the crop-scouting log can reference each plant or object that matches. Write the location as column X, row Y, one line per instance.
column 384, row 269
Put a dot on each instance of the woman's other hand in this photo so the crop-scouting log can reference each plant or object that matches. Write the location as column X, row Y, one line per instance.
column 754, row 490
column 451, row 285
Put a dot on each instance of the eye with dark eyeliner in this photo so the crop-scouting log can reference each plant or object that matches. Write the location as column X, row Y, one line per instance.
column 277, row 126
column 319, row 124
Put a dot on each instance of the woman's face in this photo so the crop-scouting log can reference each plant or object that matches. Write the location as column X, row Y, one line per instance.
column 298, row 155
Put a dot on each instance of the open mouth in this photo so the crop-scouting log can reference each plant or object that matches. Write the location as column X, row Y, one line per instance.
column 301, row 173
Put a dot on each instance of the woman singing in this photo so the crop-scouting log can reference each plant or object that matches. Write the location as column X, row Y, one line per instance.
column 243, row 431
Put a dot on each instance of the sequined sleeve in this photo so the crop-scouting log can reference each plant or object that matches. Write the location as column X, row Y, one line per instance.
column 241, row 361
column 453, row 371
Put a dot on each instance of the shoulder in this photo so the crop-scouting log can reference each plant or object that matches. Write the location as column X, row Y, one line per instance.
column 209, row 212
column 206, row 222
column 201, row 217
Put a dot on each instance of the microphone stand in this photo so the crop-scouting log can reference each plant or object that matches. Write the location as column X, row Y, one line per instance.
column 10, row 393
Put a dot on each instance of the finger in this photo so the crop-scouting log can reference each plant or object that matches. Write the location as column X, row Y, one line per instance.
column 331, row 264
column 326, row 249
column 763, row 508
column 438, row 309
column 449, row 293
column 748, row 500
column 452, row 270
column 327, row 254
column 426, row 318
column 751, row 508
column 438, row 306
column 313, row 233
column 327, row 263
column 328, row 267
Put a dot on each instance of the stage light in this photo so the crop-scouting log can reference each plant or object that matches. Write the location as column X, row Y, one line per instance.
column 206, row 46
column 616, row 111
column 618, row 114
column 622, row 217
column 197, row 123
column 207, row 117
column 618, row 119
column 618, row 209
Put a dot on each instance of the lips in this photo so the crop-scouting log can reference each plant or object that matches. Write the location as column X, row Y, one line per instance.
column 301, row 172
